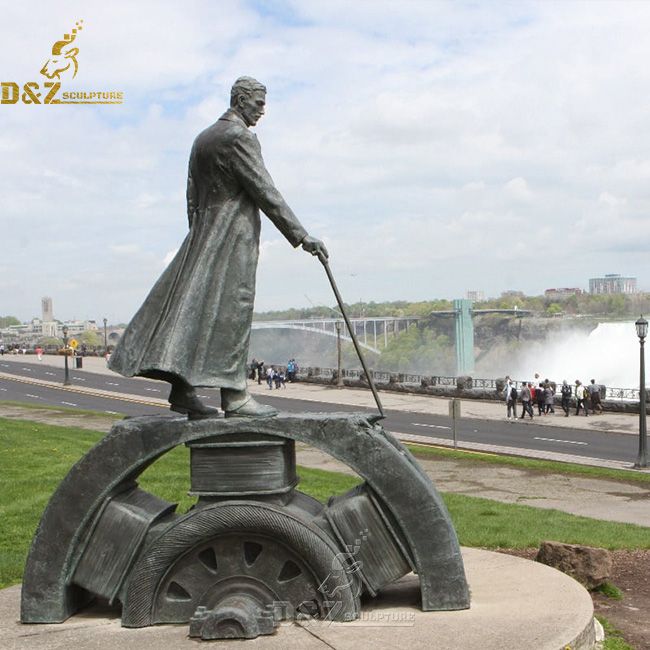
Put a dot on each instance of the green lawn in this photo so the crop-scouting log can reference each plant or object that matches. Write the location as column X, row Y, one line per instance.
column 34, row 457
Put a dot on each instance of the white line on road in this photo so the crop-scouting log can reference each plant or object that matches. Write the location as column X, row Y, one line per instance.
column 27, row 369
column 78, row 379
column 430, row 426
column 4, row 389
column 110, row 383
column 34, row 396
column 153, row 390
column 51, row 374
column 568, row 442
column 112, row 412
column 69, row 403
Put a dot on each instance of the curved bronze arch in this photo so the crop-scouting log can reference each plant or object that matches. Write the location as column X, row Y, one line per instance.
column 132, row 445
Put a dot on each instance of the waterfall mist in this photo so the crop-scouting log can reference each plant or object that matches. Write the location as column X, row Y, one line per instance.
column 609, row 354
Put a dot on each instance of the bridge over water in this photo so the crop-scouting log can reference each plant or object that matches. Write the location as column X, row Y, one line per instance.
column 374, row 333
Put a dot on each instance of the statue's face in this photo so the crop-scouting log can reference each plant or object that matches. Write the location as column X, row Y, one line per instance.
column 252, row 107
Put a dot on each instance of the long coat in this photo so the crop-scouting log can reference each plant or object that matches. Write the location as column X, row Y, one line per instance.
column 195, row 323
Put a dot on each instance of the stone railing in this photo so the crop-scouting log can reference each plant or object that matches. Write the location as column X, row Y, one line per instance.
column 613, row 399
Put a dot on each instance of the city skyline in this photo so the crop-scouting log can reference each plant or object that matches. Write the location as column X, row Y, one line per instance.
column 436, row 147
column 474, row 295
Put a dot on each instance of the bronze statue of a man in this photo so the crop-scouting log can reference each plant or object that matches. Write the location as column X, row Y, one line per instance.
column 193, row 329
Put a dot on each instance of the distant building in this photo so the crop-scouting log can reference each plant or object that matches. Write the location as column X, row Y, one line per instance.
column 37, row 328
column 562, row 292
column 612, row 283
column 46, row 309
column 511, row 293
column 476, row 296
column 48, row 325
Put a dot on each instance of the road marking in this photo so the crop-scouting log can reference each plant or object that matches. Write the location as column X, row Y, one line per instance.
column 153, row 390
column 69, row 403
column 429, row 426
column 112, row 412
column 78, row 378
column 34, row 396
column 51, row 374
column 110, row 383
column 27, row 369
column 568, row 442
column 4, row 389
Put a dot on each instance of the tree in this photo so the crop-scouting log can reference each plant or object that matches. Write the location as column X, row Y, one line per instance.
column 8, row 321
column 90, row 339
column 50, row 341
column 553, row 309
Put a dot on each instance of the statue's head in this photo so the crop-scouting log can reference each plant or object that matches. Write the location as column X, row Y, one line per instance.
column 248, row 98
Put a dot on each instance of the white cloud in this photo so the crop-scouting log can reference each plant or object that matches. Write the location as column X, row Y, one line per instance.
column 125, row 249
column 611, row 200
column 437, row 145
column 518, row 189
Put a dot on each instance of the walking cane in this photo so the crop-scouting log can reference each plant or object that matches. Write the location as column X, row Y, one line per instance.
column 339, row 300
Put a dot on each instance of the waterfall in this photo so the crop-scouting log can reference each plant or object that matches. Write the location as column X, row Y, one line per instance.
column 609, row 354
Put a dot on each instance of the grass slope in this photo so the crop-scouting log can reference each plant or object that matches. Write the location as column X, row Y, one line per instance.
column 34, row 457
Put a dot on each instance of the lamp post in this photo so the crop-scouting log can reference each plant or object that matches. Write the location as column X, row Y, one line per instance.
column 339, row 377
column 105, row 338
column 66, row 377
column 642, row 459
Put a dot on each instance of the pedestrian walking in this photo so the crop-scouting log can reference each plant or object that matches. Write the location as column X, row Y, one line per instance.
column 594, row 397
column 581, row 397
column 540, row 396
column 549, row 398
column 510, row 393
column 565, row 391
column 526, row 406
column 270, row 373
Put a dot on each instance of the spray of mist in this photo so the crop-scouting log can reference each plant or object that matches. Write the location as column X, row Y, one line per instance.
column 609, row 354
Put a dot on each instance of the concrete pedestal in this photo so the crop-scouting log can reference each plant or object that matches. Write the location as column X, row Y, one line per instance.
column 515, row 604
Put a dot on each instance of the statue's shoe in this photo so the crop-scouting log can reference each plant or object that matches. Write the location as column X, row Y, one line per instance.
column 189, row 404
column 252, row 409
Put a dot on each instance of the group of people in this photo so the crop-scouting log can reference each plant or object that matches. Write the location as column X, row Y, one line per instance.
column 542, row 394
column 273, row 376
column 13, row 348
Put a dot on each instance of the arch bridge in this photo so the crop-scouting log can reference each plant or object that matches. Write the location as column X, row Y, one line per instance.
column 372, row 333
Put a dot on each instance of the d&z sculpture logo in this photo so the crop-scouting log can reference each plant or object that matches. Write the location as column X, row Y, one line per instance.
column 62, row 63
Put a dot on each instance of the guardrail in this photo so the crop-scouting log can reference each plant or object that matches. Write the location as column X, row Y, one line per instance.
column 410, row 379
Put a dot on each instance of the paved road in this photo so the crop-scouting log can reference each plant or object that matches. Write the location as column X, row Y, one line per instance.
column 152, row 395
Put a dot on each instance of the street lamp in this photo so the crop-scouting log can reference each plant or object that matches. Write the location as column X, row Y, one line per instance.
column 66, row 377
column 105, row 338
column 642, row 459
column 339, row 376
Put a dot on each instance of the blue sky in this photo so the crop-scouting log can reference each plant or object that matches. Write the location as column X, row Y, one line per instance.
column 436, row 146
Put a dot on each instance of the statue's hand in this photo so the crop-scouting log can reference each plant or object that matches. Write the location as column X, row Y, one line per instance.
column 315, row 247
